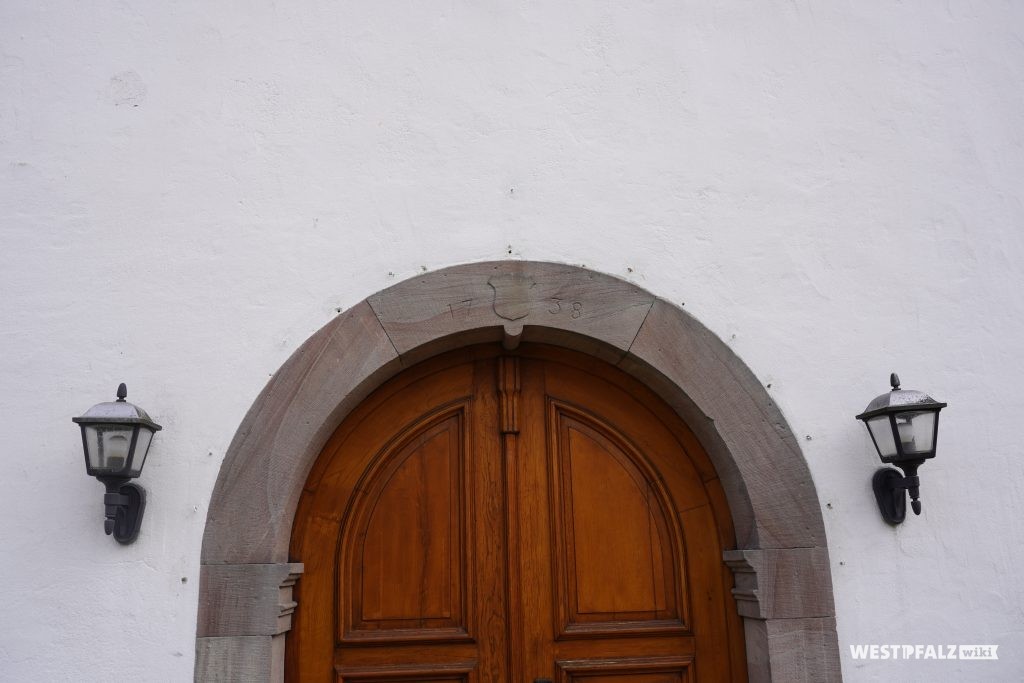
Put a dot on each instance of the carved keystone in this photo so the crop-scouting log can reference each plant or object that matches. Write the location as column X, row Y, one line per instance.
column 511, row 301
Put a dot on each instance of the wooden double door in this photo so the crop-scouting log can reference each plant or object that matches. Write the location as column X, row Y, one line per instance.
column 494, row 517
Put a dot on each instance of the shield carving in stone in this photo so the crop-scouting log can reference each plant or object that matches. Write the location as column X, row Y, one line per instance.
column 511, row 295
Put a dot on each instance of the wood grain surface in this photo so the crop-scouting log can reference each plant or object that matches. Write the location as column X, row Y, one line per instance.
column 487, row 516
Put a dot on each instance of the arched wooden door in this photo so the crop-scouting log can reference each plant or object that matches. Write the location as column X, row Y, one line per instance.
column 495, row 517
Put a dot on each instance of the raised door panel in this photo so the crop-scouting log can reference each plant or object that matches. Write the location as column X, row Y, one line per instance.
column 400, row 678
column 627, row 670
column 402, row 574
column 617, row 542
column 461, row 672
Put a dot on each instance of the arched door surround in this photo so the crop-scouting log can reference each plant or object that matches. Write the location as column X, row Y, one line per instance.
column 783, row 586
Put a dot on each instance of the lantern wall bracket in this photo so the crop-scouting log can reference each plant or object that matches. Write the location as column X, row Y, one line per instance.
column 890, row 488
column 125, row 504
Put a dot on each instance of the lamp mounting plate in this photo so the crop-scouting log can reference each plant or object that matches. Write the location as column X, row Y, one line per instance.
column 890, row 492
column 128, row 518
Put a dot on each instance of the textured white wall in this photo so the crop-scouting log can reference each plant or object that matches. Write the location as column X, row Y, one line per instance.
column 188, row 190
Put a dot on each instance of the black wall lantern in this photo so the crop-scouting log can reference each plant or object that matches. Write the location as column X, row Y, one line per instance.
column 116, row 437
column 904, row 426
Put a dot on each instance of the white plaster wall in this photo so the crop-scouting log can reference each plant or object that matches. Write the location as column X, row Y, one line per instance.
column 190, row 189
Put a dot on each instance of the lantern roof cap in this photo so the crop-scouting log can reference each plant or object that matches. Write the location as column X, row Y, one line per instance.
column 119, row 411
column 900, row 399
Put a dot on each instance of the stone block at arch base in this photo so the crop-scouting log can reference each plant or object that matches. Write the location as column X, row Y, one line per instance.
column 783, row 584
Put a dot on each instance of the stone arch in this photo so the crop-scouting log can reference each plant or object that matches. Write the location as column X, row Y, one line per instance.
column 782, row 578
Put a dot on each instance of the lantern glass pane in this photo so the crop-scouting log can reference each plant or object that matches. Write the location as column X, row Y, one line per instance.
column 145, row 438
column 917, row 431
column 881, row 430
column 108, row 447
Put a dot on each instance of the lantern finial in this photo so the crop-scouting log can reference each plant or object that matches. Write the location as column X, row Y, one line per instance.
column 122, row 392
column 894, row 380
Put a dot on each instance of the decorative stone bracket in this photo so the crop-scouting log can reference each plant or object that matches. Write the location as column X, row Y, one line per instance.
column 787, row 613
column 244, row 612
column 780, row 583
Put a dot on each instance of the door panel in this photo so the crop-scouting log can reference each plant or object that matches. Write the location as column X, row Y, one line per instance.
column 487, row 517
column 453, row 673
column 617, row 561
column 405, row 676
column 388, row 527
column 636, row 670
column 413, row 499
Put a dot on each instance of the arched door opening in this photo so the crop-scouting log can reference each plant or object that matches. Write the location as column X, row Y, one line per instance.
column 783, row 588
